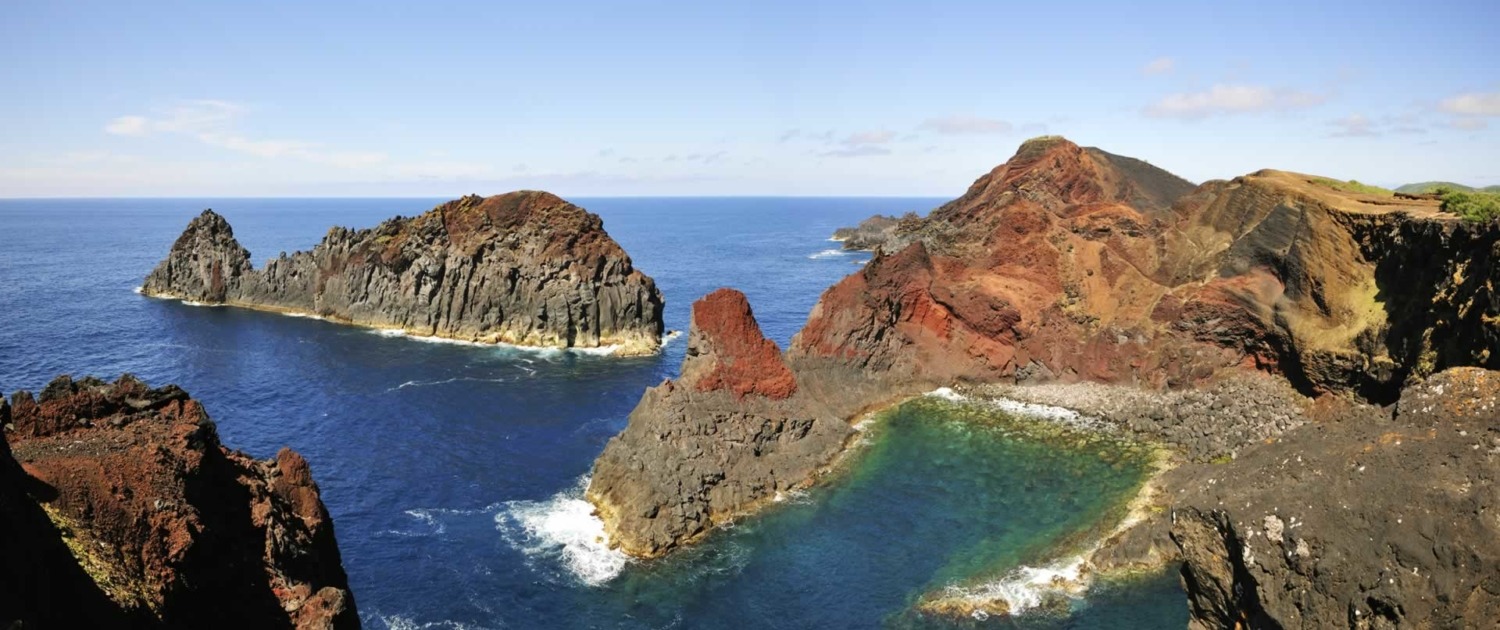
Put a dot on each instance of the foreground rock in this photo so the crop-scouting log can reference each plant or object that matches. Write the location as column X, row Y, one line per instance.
column 121, row 509
column 523, row 268
column 1355, row 524
column 738, row 427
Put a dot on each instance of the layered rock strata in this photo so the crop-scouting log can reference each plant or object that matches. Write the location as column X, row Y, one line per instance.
column 121, row 509
column 523, row 268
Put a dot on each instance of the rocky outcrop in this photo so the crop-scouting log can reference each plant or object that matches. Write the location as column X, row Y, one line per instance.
column 523, row 268
column 1355, row 524
column 737, row 428
column 1072, row 264
column 873, row 233
column 121, row 509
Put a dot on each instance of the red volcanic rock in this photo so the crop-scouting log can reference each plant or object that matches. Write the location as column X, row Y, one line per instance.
column 727, row 351
column 126, row 510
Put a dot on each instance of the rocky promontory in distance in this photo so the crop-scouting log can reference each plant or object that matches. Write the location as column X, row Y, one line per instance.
column 1069, row 264
column 524, row 268
column 120, row 508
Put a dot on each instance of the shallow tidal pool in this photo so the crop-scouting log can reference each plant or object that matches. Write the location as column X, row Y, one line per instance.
column 942, row 494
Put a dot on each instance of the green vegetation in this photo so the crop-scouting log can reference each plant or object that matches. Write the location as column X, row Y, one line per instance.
column 1352, row 186
column 1472, row 206
column 1427, row 188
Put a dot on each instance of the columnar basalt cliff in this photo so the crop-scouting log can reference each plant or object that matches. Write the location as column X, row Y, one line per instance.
column 523, row 268
column 121, row 509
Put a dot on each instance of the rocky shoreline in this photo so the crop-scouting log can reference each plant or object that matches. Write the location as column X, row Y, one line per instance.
column 1241, row 324
column 523, row 268
column 121, row 509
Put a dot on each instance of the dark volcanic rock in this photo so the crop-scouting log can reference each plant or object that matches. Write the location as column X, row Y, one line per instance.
column 1355, row 524
column 874, row 233
column 733, row 431
column 121, row 509
column 524, row 267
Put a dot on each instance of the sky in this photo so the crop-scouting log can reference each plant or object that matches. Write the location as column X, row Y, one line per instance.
column 439, row 99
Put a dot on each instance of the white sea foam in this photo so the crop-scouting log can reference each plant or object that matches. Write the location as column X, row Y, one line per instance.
column 1050, row 413
column 1026, row 588
column 398, row 622
column 828, row 253
column 137, row 290
column 456, row 379
column 563, row 529
column 836, row 239
column 672, row 335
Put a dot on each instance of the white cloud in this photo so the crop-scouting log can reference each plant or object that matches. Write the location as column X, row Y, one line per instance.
column 213, row 123
column 127, row 126
column 1225, row 99
column 1158, row 66
column 869, row 137
column 860, row 150
column 966, row 125
column 1354, row 126
column 1471, row 123
column 1473, row 104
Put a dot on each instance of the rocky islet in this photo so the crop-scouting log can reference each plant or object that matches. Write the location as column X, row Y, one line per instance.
column 524, row 268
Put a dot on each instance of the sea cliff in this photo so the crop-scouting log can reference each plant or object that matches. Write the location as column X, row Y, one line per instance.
column 1069, row 264
column 524, row 268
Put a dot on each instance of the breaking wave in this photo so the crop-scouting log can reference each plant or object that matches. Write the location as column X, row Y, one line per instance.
column 828, row 253
column 563, row 529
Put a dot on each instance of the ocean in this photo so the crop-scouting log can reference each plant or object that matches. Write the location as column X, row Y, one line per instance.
column 454, row 471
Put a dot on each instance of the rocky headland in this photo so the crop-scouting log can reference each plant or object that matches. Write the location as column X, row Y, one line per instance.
column 121, row 509
column 524, row 268
column 1256, row 319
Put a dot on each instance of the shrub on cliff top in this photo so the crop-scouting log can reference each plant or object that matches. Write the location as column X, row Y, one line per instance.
column 1353, row 186
column 1472, row 206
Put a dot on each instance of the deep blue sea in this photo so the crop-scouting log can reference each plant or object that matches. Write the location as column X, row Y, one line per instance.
column 453, row 471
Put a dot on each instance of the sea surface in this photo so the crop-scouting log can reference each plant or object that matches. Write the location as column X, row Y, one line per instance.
column 454, row 471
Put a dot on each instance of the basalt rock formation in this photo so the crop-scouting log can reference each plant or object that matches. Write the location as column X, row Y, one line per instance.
column 1355, row 524
column 121, row 509
column 1071, row 264
column 524, row 268
column 738, row 427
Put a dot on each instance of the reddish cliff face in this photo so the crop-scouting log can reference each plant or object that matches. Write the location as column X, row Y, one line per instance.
column 728, row 352
column 121, row 508
column 1070, row 263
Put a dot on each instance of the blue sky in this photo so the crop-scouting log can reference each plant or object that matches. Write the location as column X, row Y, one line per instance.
column 759, row 98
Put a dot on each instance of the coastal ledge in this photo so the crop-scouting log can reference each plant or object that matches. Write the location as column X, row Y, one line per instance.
column 524, row 268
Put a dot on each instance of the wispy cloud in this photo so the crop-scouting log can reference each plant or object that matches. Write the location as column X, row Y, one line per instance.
column 1159, row 66
column 860, row 150
column 212, row 122
column 966, row 125
column 1473, row 104
column 1227, row 99
column 868, row 137
column 1468, row 123
column 1353, row 126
